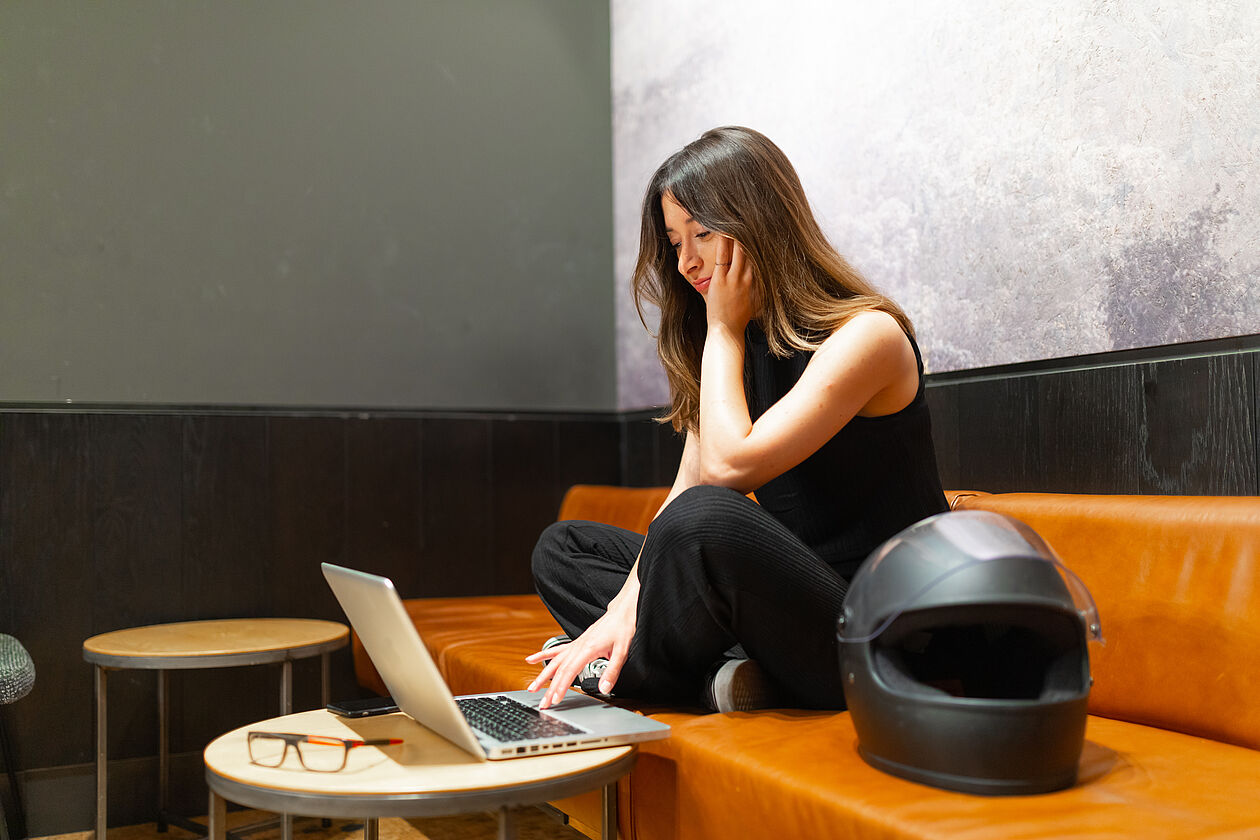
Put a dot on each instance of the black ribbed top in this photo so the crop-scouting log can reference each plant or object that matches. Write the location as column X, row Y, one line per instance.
column 874, row 478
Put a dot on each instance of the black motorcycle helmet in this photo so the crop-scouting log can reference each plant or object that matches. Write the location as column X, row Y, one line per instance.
column 963, row 654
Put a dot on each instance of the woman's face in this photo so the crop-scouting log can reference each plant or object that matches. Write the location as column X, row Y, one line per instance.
column 695, row 245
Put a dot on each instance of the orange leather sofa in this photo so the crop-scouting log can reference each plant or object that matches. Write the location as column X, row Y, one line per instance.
column 1172, row 744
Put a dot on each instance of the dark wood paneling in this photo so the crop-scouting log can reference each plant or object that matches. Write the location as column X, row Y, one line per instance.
column 525, row 495
column 227, row 547
column 588, row 451
column 639, row 447
column 651, row 452
column 308, row 511
column 136, row 489
column 457, row 506
column 308, row 466
column 45, row 550
column 1199, row 426
column 1089, row 426
column 227, row 569
column 998, row 435
column 383, row 497
column 943, row 406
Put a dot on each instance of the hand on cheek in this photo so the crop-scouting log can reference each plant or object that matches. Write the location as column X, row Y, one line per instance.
column 730, row 298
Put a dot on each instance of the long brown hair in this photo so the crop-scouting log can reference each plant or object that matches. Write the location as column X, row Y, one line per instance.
column 734, row 181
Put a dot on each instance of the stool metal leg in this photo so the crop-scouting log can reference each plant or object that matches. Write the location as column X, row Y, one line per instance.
column 286, row 687
column 101, row 742
column 371, row 828
column 164, row 753
column 165, row 819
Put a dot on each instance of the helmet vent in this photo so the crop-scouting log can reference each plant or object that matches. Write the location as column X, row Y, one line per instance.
column 990, row 652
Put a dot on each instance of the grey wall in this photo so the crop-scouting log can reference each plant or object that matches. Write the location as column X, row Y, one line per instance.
column 373, row 204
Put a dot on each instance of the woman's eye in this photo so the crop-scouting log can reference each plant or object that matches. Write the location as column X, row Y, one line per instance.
column 675, row 245
column 704, row 234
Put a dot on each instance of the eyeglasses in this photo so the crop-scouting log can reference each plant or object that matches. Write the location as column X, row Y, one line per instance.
column 318, row 753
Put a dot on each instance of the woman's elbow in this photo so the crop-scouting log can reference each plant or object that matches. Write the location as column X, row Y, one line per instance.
column 723, row 473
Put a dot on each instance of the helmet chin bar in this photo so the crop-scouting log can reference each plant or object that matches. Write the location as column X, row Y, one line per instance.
column 964, row 649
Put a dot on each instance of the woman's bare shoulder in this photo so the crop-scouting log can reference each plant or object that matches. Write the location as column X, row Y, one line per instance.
column 872, row 330
column 874, row 343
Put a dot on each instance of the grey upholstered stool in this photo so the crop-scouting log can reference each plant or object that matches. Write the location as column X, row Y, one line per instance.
column 17, row 675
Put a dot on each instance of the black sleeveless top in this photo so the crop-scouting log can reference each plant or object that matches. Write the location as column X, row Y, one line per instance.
column 875, row 477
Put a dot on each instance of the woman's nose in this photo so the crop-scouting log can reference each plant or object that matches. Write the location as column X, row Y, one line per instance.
column 687, row 259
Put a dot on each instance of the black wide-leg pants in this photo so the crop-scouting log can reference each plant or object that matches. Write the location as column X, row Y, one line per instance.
column 716, row 570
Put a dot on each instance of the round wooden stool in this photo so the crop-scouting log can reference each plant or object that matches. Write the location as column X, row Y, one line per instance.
column 222, row 643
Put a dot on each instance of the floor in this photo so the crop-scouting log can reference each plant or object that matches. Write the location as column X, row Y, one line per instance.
column 531, row 824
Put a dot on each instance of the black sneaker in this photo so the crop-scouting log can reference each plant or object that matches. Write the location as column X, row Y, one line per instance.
column 739, row 685
column 588, row 678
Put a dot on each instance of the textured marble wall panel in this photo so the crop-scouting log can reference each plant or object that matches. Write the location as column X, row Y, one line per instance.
column 1030, row 180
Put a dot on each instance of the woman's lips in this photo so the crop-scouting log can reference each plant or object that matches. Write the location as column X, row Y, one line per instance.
column 702, row 283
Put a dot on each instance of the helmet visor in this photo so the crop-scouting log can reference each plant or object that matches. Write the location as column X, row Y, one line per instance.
column 944, row 548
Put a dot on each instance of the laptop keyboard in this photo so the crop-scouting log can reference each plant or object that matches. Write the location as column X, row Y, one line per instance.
column 510, row 720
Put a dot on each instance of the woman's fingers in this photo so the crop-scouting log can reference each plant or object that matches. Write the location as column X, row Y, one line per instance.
column 609, row 678
column 723, row 259
column 608, row 638
column 559, row 673
column 548, row 676
column 561, row 681
column 550, row 653
column 730, row 297
column 545, row 674
column 735, row 258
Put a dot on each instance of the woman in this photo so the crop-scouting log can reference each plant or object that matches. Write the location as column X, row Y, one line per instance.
column 791, row 377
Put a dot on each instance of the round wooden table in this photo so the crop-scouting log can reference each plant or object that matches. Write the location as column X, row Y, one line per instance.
column 221, row 643
column 426, row 775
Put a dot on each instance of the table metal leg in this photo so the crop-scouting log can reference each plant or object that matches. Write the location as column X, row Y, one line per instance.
column 608, row 830
column 371, row 828
column 164, row 752
column 507, row 824
column 324, row 697
column 217, row 817
column 286, row 708
column 101, row 742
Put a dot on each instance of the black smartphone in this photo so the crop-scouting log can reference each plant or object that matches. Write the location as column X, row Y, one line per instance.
column 363, row 708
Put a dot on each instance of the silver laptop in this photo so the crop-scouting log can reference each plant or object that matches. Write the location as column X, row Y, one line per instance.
column 501, row 724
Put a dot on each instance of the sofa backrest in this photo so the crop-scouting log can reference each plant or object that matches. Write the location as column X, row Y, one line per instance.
column 631, row 508
column 1177, row 584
